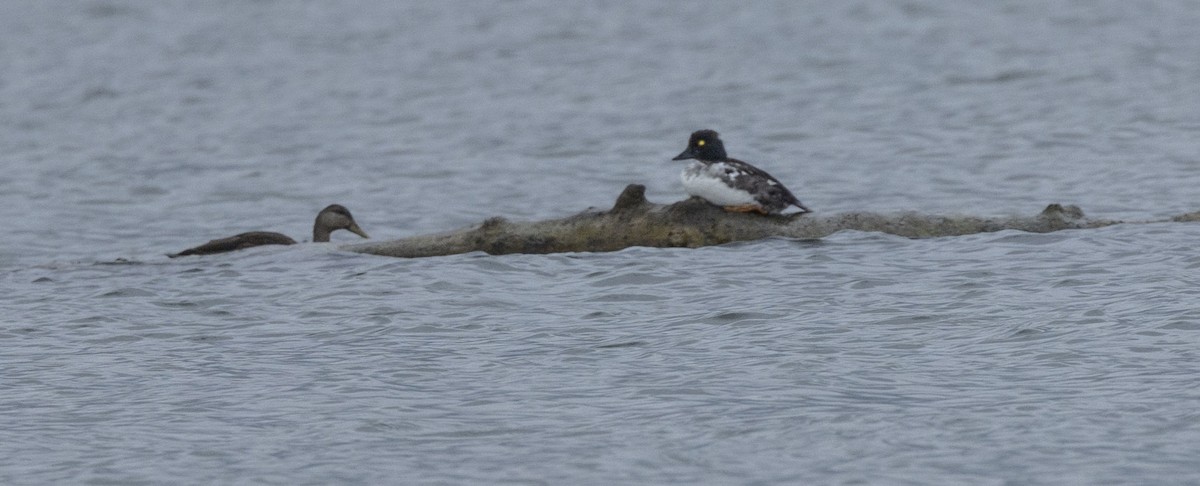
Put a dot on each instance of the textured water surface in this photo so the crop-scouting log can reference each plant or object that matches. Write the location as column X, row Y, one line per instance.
column 133, row 129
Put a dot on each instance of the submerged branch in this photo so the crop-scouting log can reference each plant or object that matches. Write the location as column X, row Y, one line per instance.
column 634, row 221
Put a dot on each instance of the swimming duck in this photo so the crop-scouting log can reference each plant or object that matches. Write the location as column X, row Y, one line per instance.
column 731, row 183
column 332, row 218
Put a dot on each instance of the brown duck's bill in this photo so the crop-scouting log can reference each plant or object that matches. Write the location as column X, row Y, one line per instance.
column 356, row 230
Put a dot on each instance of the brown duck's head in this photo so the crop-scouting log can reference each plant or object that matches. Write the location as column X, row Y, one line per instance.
column 335, row 217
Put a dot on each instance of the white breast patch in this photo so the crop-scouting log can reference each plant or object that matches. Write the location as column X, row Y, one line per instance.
column 705, row 181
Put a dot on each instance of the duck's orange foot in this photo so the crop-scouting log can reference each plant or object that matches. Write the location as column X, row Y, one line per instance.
column 747, row 208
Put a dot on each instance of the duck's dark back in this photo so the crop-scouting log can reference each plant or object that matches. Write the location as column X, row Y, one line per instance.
column 238, row 242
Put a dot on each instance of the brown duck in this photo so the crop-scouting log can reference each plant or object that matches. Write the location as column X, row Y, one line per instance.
column 332, row 218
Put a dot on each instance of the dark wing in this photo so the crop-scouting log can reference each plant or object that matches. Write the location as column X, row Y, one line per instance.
column 232, row 243
column 760, row 182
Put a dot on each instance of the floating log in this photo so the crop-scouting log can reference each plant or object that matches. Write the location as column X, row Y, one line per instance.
column 634, row 221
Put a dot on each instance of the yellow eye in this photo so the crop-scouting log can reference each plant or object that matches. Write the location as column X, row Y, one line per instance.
column 700, row 143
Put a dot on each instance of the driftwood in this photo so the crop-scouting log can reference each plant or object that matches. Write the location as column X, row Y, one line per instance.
column 634, row 221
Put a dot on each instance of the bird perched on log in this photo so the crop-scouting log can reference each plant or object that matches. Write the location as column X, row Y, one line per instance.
column 731, row 183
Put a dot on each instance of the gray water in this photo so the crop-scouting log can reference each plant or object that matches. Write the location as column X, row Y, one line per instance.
column 133, row 129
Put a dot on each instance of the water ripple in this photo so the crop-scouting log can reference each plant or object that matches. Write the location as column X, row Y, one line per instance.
column 1003, row 358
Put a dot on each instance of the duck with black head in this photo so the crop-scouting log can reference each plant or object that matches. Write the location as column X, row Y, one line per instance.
column 731, row 183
